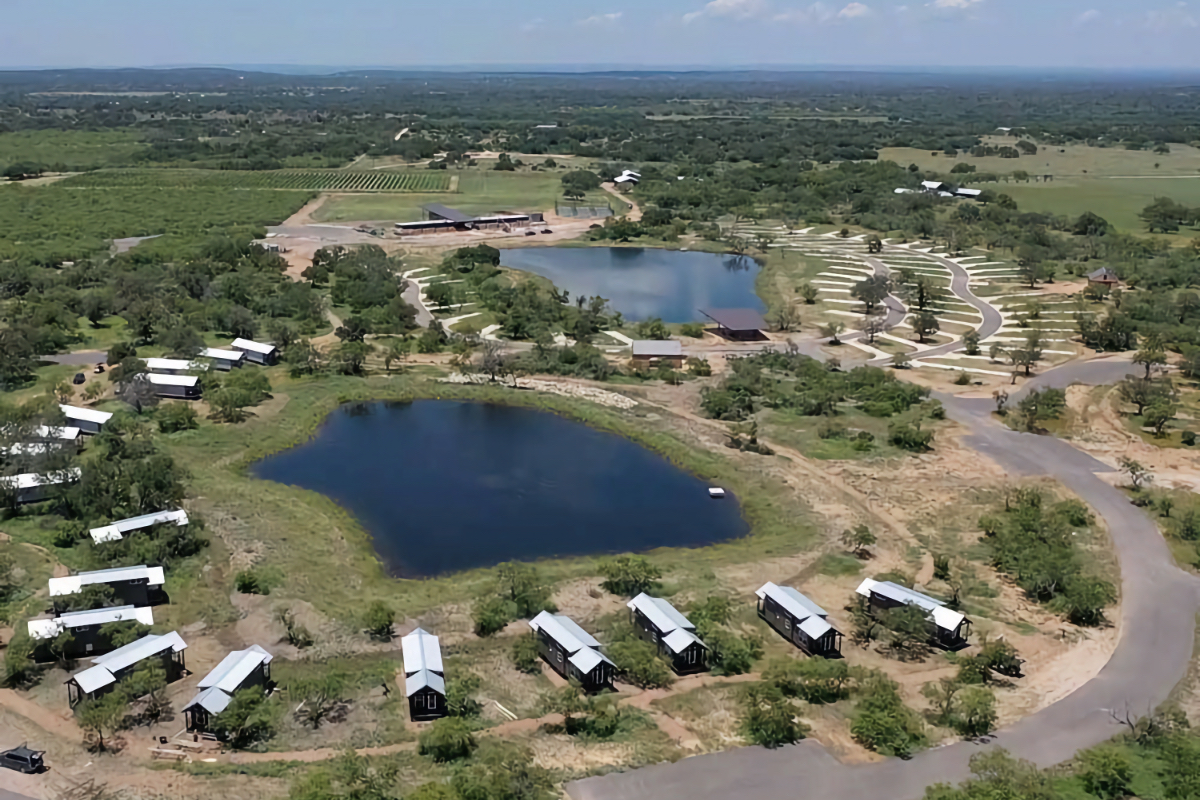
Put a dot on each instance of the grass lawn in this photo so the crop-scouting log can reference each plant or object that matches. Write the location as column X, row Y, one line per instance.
column 1077, row 160
column 479, row 192
column 803, row 434
column 1118, row 200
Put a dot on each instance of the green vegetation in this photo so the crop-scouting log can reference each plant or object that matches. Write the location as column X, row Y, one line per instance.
column 69, row 150
column 291, row 180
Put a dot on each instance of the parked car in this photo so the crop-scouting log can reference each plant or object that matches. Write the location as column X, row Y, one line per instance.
column 22, row 759
column 531, row 233
column 78, row 379
column 547, row 231
column 99, row 370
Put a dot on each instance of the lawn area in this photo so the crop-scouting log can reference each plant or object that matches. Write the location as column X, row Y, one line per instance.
column 1118, row 200
column 805, row 434
column 70, row 151
column 479, row 192
column 1075, row 160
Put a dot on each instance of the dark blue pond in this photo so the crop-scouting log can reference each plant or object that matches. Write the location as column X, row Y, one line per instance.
column 642, row 283
column 445, row 486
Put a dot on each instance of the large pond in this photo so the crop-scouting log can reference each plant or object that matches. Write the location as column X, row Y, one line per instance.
column 643, row 283
column 445, row 486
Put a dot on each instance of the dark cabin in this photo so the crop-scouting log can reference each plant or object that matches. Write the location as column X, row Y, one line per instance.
column 424, row 676
column 242, row 669
column 256, row 352
column 178, row 387
column 1105, row 277
column 661, row 624
column 108, row 670
column 947, row 627
column 131, row 586
column 84, row 627
column 572, row 651
column 799, row 620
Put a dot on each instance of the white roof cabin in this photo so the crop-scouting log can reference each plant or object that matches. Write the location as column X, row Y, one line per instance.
column 905, row 191
column 32, row 480
column 49, row 628
column 945, row 618
column 73, row 584
column 223, row 355
column 932, row 186
column 117, row 530
column 170, row 365
column 218, row 687
column 810, row 616
column 583, row 648
column 969, row 192
column 104, row 673
column 86, row 414
column 676, row 629
column 422, row 653
column 254, row 347
column 54, row 434
column 172, row 380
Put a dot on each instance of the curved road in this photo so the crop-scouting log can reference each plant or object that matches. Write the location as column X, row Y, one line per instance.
column 1158, row 619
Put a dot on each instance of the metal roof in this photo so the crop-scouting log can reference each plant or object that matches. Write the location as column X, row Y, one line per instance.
column 587, row 659
column 421, row 650
column 942, row 617
column 736, row 319
column 257, row 347
column 32, row 480
column 666, row 348
column 113, row 532
column 212, row 700
column 661, row 614
column 233, row 670
column 140, row 650
column 932, row 185
column 563, row 630
column 969, row 192
column 93, row 678
column 1103, row 272
column 86, row 414
column 422, row 679
column 172, row 380
column 68, row 433
column 815, row 627
column 169, row 363
column 792, row 601
column 226, row 355
column 73, row 584
column 680, row 640
column 445, row 212
column 49, row 628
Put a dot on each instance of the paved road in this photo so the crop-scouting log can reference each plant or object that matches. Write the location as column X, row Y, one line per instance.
column 79, row 359
column 1158, row 619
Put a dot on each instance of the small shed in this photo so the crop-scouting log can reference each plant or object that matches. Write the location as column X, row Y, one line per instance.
column 135, row 586
column 947, row 627
column 117, row 530
column 179, row 387
column 661, row 624
column 34, row 488
column 84, row 627
column 1105, row 277
column 224, row 360
column 424, row 676
column 241, row 669
column 572, row 651
column 653, row 351
column 257, row 352
column 102, row 678
column 799, row 620
column 88, row 420
column 971, row 194
column 739, row 324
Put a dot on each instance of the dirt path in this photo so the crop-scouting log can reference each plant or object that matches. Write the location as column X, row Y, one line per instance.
column 47, row 720
column 634, row 214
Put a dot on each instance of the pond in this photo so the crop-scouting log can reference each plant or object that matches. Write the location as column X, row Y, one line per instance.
column 642, row 283
column 445, row 486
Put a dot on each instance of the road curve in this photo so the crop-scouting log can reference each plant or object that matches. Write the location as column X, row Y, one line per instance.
column 1157, row 622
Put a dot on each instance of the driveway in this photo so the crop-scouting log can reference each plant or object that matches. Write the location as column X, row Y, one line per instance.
column 1157, row 622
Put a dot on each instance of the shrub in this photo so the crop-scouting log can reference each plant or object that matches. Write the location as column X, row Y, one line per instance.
column 175, row 417
column 769, row 718
column 1106, row 772
column 1188, row 438
column 638, row 661
column 448, row 739
column 629, row 575
column 695, row 330
column 941, row 567
column 525, row 654
column 730, row 654
column 815, row 680
column 907, row 437
column 491, row 615
column 248, row 719
column 884, row 724
column 378, row 621
column 248, row 582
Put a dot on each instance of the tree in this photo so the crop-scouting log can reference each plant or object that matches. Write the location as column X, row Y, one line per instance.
column 175, row 417
column 809, row 293
column 975, row 714
column 354, row 329
column 1033, row 272
column 525, row 654
column 907, row 631
column 883, row 723
column 832, row 330
column 350, row 357
column 228, row 405
column 1139, row 476
column 858, row 539
column 448, row 739
column 1150, row 356
column 1143, row 392
column 925, row 324
column 1039, row 406
column 942, row 696
column 494, row 360
column 874, row 244
column 638, row 661
column 1106, row 772
column 871, row 291
column 570, row 703
column 522, row 585
column 785, row 318
column 104, row 714
column 1158, row 414
column 629, row 575
column 872, row 326
column 769, row 718
column 378, row 621
column 248, row 719
column 814, row 680
column 971, row 343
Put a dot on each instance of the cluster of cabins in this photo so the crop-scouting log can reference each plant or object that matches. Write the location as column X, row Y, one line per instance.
column 943, row 190
column 46, row 440
column 174, row 378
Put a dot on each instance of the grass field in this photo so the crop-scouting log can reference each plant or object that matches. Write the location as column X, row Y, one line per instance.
column 479, row 192
column 1075, row 160
column 70, row 151
column 322, row 180
column 1118, row 200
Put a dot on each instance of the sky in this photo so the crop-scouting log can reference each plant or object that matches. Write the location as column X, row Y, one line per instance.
column 1104, row 34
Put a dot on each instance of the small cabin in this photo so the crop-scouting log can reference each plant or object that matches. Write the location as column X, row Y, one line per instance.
column 171, row 366
column 107, row 670
column 257, row 352
column 1104, row 277
column 661, row 624
column 653, row 352
column 133, row 586
column 947, row 627
column 572, row 651
column 424, row 676
column 241, row 669
column 177, row 387
column 34, row 488
column 84, row 627
column 224, row 360
column 88, row 420
column 70, row 436
column 799, row 620
column 117, row 530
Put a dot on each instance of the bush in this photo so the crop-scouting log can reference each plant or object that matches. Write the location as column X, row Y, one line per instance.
column 907, row 437
column 629, row 575
column 962, row 379
column 884, row 724
column 525, row 654
column 815, row 680
column 695, row 330
column 175, row 417
column 378, row 621
column 248, row 582
column 249, row 718
column 1188, row 438
column 769, row 718
column 448, row 739
column 638, row 661
column 730, row 654
column 492, row 614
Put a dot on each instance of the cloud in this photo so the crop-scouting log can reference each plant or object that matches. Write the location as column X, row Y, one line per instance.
column 950, row 5
column 603, row 19
column 853, row 11
column 1089, row 16
column 735, row 9
column 817, row 13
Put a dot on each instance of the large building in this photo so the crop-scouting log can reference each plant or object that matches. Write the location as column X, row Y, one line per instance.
column 442, row 219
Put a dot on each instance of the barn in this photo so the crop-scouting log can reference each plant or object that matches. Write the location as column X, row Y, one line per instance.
column 661, row 624
column 257, row 352
column 101, row 678
column 134, row 586
column 424, row 675
column 799, row 620
column 947, row 627
column 241, row 669
column 171, row 366
column 572, row 651
column 224, row 360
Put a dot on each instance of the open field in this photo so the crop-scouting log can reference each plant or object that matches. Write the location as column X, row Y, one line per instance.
column 70, row 151
column 1076, row 160
column 324, row 180
column 1118, row 200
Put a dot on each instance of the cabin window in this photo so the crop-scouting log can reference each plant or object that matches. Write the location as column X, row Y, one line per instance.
column 558, row 655
column 420, row 701
column 787, row 622
column 689, row 655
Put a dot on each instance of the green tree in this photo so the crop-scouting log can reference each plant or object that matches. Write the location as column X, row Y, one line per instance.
column 1158, row 414
column 925, row 324
column 525, row 654
column 769, row 718
column 883, row 723
column 871, row 292
column 971, row 343
column 628, row 575
column 378, row 621
column 808, row 293
column 569, row 702
column 639, row 662
column 975, row 714
column 461, row 689
column 102, row 715
column 858, row 539
column 19, row 666
column 1039, row 406
column 832, row 331
column 524, row 586
column 250, row 718
column 1106, row 772
column 448, row 739
column 396, row 352
column 907, row 631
